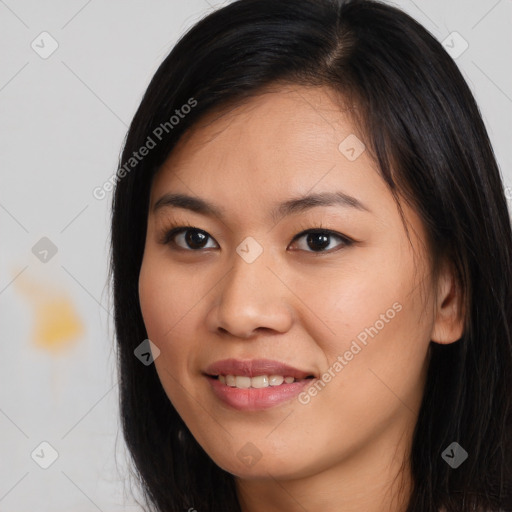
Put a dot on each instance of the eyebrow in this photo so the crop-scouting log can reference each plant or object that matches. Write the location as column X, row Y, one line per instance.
column 296, row 205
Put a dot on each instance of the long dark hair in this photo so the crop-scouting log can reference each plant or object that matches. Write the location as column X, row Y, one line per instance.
column 424, row 129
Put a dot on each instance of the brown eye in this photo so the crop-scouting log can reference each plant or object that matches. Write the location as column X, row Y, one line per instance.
column 189, row 238
column 318, row 240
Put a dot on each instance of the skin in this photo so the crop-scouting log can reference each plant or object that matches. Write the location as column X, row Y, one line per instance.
column 344, row 450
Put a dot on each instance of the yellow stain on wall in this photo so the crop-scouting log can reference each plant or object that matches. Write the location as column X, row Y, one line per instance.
column 56, row 323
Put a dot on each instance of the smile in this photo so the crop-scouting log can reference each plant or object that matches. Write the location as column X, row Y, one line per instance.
column 255, row 384
column 258, row 382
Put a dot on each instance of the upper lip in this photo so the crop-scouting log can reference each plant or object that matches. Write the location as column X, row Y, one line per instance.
column 255, row 367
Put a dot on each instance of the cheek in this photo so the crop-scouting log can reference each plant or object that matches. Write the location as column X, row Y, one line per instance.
column 346, row 305
column 155, row 299
column 167, row 300
column 379, row 323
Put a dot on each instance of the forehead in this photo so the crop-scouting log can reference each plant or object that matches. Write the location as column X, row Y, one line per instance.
column 283, row 134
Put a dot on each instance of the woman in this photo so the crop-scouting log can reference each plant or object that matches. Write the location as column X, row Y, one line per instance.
column 310, row 226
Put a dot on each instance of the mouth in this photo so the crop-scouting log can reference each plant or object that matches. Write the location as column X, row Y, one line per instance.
column 256, row 384
column 239, row 373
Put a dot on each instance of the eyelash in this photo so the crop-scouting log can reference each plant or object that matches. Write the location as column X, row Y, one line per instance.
column 174, row 229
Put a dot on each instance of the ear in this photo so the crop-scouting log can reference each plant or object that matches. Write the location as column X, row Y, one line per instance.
column 448, row 324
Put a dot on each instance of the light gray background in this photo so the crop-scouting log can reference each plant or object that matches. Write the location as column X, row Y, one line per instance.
column 62, row 124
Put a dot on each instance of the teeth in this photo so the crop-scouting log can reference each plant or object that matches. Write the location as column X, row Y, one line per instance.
column 243, row 382
column 260, row 381
column 276, row 380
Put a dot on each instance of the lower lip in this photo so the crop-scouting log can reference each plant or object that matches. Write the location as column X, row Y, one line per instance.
column 256, row 399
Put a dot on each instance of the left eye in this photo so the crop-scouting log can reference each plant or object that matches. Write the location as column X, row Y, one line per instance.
column 318, row 240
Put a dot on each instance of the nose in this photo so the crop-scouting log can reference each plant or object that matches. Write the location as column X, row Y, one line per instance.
column 251, row 298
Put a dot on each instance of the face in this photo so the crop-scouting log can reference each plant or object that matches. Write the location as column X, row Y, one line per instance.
column 289, row 259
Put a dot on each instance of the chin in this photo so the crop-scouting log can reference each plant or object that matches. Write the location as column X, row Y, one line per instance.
column 249, row 463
